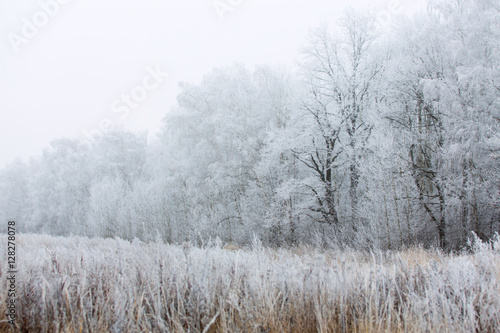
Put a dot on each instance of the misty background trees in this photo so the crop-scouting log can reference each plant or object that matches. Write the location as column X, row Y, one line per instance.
column 378, row 139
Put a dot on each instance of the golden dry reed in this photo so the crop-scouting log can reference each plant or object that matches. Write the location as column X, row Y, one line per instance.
column 77, row 284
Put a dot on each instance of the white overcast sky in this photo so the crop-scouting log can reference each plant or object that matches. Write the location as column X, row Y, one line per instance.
column 64, row 79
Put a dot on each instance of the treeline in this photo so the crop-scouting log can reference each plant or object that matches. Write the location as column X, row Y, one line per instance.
column 377, row 139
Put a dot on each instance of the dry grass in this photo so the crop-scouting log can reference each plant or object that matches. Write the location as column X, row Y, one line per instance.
column 77, row 284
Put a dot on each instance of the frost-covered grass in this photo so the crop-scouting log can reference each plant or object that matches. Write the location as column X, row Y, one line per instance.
column 78, row 284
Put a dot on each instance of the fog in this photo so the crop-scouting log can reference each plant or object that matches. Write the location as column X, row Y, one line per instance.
column 65, row 63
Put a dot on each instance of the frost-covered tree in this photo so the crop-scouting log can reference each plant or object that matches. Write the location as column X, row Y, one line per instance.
column 272, row 206
column 60, row 188
column 118, row 159
column 15, row 193
column 416, row 73
column 471, row 100
column 213, row 142
column 444, row 99
column 340, row 73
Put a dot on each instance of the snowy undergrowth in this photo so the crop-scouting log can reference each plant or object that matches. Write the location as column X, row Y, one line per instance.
column 76, row 284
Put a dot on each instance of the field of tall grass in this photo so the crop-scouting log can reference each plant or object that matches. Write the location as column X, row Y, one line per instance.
column 76, row 284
